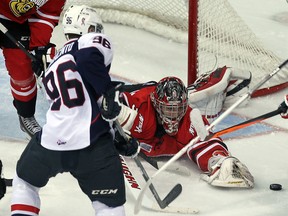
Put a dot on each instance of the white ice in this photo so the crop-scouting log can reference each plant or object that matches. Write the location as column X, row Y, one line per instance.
column 141, row 56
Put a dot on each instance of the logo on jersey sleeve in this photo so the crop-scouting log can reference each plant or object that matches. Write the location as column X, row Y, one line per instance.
column 20, row 7
column 192, row 129
column 140, row 124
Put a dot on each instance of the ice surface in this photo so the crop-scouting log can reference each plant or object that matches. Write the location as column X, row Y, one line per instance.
column 140, row 57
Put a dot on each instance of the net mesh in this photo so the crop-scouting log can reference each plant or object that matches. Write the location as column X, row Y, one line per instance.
column 223, row 37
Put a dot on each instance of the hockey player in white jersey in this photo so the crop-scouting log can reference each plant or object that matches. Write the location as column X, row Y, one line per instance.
column 74, row 138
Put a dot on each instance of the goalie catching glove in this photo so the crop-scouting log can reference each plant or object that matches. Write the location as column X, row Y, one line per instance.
column 128, row 149
column 228, row 172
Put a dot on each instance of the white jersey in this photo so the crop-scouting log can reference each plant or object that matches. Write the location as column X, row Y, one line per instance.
column 74, row 82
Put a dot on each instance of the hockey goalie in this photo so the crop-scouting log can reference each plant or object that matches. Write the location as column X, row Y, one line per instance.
column 158, row 116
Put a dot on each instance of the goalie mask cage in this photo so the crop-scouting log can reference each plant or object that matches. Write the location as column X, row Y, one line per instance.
column 215, row 35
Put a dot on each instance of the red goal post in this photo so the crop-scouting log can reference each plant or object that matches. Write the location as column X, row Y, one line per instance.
column 213, row 31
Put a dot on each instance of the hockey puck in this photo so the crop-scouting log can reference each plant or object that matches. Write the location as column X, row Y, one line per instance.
column 275, row 187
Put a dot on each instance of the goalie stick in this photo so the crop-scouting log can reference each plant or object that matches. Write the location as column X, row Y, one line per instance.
column 175, row 191
column 210, row 127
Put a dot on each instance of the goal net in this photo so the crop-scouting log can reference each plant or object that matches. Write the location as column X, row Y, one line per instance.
column 215, row 35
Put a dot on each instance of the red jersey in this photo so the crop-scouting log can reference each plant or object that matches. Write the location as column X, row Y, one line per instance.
column 150, row 133
column 154, row 141
column 42, row 15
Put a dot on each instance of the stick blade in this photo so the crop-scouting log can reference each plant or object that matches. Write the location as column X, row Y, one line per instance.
column 171, row 196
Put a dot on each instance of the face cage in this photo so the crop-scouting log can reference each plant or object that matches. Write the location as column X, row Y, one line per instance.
column 171, row 114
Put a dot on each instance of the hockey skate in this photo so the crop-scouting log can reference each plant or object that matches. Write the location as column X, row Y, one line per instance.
column 228, row 172
column 29, row 125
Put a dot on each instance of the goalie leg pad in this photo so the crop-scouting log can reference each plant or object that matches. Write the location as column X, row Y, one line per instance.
column 201, row 152
column 228, row 172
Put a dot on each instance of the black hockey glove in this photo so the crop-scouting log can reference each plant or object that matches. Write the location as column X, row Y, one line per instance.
column 40, row 53
column 111, row 106
column 2, row 183
column 127, row 149
column 284, row 107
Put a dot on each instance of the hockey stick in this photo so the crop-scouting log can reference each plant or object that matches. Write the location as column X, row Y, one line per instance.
column 246, row 123
column 151, row 161
column 173, row 194
column 22, row 47
column 17, row 43
column 210, row 127
column 133, row 185
column 179, row 170
column 8, row 182
column 170, row 161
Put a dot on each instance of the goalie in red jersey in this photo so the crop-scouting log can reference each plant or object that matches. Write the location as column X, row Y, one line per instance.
column 158, row 116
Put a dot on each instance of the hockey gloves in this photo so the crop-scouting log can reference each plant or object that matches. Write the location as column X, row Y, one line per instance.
column 2, row 183
column 284, row 107
column 40, row 64
column 128, row 149
column 111, row 106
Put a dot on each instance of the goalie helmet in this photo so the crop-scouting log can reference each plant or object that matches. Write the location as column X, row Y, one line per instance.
column 79, row 20
column 170, row 101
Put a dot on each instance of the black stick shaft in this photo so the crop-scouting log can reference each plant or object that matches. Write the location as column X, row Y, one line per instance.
column 246, row 123
column 17, row 43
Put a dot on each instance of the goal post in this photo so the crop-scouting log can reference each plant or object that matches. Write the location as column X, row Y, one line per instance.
column 213, row 31
column 192, row 42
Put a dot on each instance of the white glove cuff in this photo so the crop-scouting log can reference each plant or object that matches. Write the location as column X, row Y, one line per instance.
column 126, row 117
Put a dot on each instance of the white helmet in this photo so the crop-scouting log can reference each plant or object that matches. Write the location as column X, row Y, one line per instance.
column 80, row 20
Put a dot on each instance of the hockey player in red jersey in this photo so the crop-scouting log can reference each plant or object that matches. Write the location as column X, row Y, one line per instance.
column 159, row 117
column 284, row 104
column 30, row 22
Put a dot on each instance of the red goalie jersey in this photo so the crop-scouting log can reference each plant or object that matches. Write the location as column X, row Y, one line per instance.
column 149, row 128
